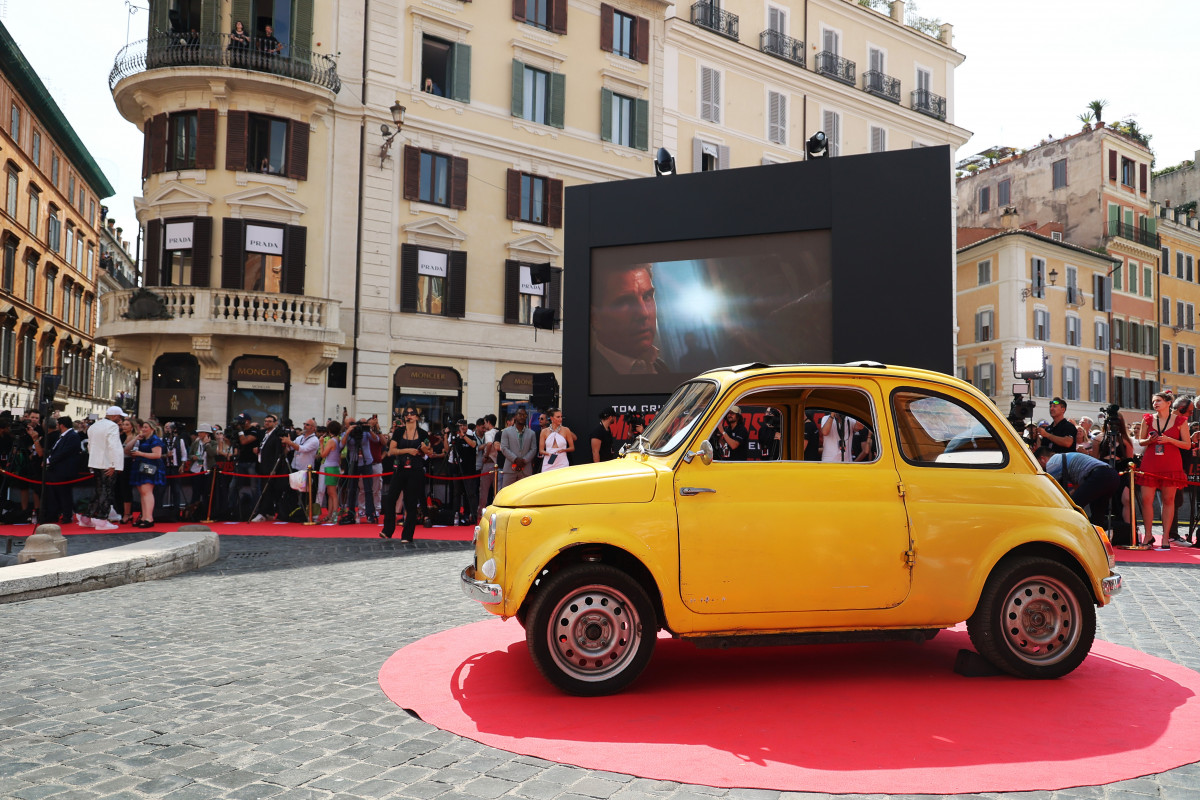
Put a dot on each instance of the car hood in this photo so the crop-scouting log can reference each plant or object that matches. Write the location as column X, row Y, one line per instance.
column 624, row 480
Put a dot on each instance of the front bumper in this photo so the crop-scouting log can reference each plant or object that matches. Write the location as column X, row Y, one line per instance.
column 1111, row 585
column 484, row 592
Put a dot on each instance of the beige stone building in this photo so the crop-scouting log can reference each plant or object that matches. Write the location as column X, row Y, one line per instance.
column 49, row 240
column 1067, row 314
column 1179, row 297
column 1093, row 187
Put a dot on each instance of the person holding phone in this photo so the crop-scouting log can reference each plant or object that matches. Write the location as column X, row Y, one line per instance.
column 408, row 447
column 556, row 442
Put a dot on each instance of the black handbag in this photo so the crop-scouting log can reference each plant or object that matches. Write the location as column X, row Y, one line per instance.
column 147, row 468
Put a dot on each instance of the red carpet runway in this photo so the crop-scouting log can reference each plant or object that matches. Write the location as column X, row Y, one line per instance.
column 460, row 533
column 877, row 718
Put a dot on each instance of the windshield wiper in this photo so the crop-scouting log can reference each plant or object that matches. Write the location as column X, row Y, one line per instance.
column 638, row 444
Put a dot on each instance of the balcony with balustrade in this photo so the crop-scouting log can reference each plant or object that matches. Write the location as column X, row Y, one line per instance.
column 708, row 14
column 881, row 85
column 834, row 66
column 928, row 103
column 1133, row 233
column 782, row 46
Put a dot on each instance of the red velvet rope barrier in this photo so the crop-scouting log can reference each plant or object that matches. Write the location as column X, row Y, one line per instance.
column 48, row 483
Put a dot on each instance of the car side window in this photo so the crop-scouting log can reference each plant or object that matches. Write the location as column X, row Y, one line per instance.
column 839, row 426
column 750, row 433
column 939, row 431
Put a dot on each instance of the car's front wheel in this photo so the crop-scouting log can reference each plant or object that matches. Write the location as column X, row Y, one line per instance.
column 591, row 629
column 1035, row 619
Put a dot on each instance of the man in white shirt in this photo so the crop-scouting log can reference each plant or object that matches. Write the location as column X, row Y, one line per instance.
column 106, row 459
column 304, row 448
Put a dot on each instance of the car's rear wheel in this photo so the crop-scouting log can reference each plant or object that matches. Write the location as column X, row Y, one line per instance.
column 591, row 629
column 1035, row 619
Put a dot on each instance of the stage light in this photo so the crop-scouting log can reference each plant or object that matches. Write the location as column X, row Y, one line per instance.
column 664, row 163
column 1029, row 362
column 817, row 145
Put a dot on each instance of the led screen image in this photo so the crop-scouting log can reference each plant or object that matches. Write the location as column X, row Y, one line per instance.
column 661, row 313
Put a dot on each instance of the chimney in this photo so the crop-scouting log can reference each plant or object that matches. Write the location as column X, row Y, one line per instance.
column 898, row 11
column 1008, row 219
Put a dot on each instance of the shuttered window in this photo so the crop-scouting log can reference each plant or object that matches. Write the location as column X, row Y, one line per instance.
column 548, row 14
column 624, row 120
column 538, row 96
column 446, row 68
column 534, row 198
column 832, row 123
column 879, row 141
column 777, row 117
column 710, row 95
column 520, row 300
column 254, row 268
column 624, row 34
column 437, row 178
column 266, row 145
column 433, row 281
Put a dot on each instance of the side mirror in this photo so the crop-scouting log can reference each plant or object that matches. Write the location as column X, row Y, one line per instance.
column 705, row 452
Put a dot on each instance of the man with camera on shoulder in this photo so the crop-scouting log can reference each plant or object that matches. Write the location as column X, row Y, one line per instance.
column 357, row 438
column 243, row 435
column 460, row 445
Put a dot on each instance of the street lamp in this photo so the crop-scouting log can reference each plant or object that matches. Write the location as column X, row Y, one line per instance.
column 398, row 112
column 1027, row 291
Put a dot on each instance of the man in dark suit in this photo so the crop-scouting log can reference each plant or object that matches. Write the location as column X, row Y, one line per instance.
column 62, row 464
column 270, row 462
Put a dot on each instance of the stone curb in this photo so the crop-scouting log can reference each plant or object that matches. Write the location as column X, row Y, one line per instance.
column 161, row 557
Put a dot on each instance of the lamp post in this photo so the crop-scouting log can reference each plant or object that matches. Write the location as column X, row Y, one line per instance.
column 398, row 113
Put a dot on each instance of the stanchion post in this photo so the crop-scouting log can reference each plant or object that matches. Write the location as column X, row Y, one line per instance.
column 212, row 489
column 1135, row 542
column 308, row 476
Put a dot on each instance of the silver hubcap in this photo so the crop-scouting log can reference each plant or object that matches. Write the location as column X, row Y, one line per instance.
column 1040, row 619
column 593, row 633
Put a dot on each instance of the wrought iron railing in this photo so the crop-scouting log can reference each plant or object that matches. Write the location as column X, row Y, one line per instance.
column 707, row 14
column 169, row 50
column 926, row 102
column 782, row 45
column 1133, row 234
column 882, row 85
column 836, row 67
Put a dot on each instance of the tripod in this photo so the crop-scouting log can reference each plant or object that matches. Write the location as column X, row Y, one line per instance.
column 268, row 486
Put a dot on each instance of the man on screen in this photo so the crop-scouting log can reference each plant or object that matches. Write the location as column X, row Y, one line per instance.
column 625, row 323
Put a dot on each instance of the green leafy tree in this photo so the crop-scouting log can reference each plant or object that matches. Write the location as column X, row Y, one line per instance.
column 1097, row 108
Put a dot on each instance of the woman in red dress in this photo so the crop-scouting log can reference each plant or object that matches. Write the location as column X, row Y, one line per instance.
column 1164, row 435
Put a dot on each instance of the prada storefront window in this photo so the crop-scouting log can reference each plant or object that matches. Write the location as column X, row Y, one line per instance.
column 431, row 281
column 264, row 259
column 177, row 261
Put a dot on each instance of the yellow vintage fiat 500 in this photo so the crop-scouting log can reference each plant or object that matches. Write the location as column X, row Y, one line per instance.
column 893, row 503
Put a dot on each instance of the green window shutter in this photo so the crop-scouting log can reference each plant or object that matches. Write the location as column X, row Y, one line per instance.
column 302, row 27
column 1151, row 225
column 518, row 89
column 605, row 115
column 209, row 16
column 1129, row 218
column 159, row 22
column 241, row 13
column 641, row 124
column 558, row 98
column 460, row 88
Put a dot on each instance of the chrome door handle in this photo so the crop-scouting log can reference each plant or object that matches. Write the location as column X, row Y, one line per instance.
column 688, row 491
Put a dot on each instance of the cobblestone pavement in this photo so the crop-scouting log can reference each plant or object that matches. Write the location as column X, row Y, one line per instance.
column 256, row 677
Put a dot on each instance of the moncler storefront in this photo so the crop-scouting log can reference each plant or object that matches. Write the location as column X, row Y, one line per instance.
column 259, row 385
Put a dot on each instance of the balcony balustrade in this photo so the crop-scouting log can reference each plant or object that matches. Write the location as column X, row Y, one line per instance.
column 926, row 102
column 781, row 45
column 173, row 50
column 1133, row 234
column 834, row 66
column 881, row 85
column 707, row 14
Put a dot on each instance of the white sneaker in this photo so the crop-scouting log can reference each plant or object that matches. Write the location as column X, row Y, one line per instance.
column 258, row 518
column 104, row 525
column 84, row 522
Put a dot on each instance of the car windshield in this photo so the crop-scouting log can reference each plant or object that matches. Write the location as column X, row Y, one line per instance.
column 673, row 423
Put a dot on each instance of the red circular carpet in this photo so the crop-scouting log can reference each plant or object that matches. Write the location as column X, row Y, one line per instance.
column 878, row 718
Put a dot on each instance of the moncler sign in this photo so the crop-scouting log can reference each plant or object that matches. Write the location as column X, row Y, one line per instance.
column 264, row 240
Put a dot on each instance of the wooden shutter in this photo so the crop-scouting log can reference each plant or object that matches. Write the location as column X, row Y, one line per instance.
column 641, row 40
column 512, row 292
column 979, row 326
column 233, row 256
column 159, row 21
column 206, row 138
column 706, row 95
column 518, row 89
column 697, row 154
column 724, row 159
column 554, row 202
column 641, row 124
column 302, row 28
column 558, row 98
column 519, row 10
column 154, row 245
column 158, row 143
column 458, row 183
column 1142, row 178
column 241, row 13
column 408, row 277
column 606, row 27
column 297, row 150
column 146, row 137
column 237, row 125
column 460, row 83
column 456, row 292
column 512, row 205
column 558, row 16
column 209, row 16
column 295, row 258
column 606, row 96
column 1112, row 165
column 412, row 173
column 202, row 228
column 554, row 299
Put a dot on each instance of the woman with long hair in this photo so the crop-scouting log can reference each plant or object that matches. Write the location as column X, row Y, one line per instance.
column 408, row 448
column 1164, row 435
column 329, row 459
column 125, row 488
column 556, row 442
column 148, row 470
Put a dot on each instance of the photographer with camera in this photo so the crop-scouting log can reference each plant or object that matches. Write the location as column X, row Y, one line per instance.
column 356, row 439
column 243, row 436
column 461, row 446
column 1088, row 481
column 272, row 453
column 374, row 484
column 1060, row 433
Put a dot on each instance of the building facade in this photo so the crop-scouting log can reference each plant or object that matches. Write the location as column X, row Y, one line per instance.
column 118, row 271
column 1095, row 186
column 49, row 238
column 1179, row 297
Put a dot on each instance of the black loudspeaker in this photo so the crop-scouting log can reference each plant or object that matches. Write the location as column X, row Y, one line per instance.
column 545, row 318
column 545, row 390
column 46, row 390
column 539, row 273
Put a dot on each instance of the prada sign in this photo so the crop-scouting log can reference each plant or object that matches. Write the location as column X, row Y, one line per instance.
column 264, row 240
column 179, row 236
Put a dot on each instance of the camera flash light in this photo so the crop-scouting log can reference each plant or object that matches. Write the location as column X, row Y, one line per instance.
column 1029, row 362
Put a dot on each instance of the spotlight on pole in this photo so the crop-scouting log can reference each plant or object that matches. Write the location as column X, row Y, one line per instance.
column 817, row 145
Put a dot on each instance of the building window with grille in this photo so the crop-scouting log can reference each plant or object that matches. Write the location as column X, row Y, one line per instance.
column 985, row 272
column 181, row 141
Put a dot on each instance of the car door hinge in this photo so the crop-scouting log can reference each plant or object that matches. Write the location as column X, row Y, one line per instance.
column 900, row 489
column 910, row 556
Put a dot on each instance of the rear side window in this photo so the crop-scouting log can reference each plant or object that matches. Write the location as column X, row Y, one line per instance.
column 936, row 431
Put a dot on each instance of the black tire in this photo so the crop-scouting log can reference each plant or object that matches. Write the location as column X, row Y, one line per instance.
column 591, row 629
column 1035, row 619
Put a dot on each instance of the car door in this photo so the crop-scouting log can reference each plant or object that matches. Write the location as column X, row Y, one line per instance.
column 791, row 535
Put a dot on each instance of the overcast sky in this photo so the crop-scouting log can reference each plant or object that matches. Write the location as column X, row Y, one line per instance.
column 1031, row 67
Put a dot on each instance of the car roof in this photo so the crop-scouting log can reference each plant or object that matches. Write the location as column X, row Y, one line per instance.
column 851, row 368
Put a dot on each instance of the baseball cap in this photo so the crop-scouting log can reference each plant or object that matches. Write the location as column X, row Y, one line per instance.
column 204, row 427
column 115, row 411
column 735, row 410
